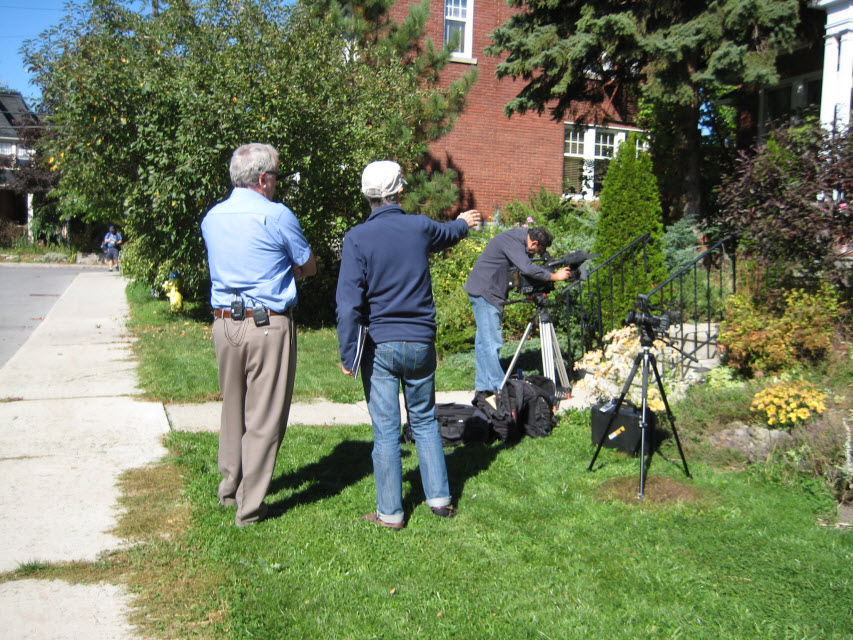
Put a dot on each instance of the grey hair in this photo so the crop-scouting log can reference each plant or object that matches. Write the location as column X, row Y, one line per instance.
column 249, row 161
column 375, row 203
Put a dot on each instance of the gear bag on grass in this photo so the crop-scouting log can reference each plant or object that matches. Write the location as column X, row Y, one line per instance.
column 502, row 411
column 538, row 406
column 457, row 424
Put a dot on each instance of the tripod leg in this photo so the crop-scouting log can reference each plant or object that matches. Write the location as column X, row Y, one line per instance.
column 517, row 353
column 616, row 408
column 644, row 423
column 547, row 349
column 558, row 359
column 669, row 416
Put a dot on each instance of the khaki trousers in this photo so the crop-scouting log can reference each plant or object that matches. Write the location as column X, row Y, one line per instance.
column 257, row 366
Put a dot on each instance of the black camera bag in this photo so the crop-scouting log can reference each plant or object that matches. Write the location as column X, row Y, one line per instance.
column 502, row 411
column 537, row 410
column 457, row 424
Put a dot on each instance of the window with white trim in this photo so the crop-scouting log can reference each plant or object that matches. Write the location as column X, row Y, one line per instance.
column 458, row 26
column 7, row 149
column 605, row 144
column 587, row 152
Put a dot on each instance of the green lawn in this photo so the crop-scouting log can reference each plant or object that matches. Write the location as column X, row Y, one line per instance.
column 541, row 547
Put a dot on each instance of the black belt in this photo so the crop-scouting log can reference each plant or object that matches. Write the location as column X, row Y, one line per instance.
column 247, row 313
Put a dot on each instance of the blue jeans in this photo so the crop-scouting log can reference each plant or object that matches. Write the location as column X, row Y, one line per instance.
column 487, row 345
column 385, row 366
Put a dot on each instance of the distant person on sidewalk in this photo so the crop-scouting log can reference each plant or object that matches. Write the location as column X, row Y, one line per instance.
column 112, row 245
column 256, row 251
column 385, row 285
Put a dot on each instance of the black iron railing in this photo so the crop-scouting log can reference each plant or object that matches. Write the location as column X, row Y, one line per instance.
column 591, row 308
column 692, row 299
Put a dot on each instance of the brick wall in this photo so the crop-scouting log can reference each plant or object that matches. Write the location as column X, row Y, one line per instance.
column 497, row 159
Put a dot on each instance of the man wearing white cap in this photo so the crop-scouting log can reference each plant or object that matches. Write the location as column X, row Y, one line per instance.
column 385, row 285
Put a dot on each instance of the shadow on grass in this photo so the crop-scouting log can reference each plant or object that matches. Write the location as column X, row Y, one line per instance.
column 347, row 464
column 350, row 462
column 463, row 463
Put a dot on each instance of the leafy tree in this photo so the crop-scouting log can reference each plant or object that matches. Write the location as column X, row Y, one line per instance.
column 146, row 109
column 630, row 207
column 787, row 201
column 670, row 52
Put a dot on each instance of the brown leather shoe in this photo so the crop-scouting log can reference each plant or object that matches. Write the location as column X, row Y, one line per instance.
column 372, row 517
column 445, row 512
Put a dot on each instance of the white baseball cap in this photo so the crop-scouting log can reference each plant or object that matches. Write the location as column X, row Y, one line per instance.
column 382, row 179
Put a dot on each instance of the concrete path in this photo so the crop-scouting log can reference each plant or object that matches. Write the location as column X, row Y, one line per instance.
column 69, row 425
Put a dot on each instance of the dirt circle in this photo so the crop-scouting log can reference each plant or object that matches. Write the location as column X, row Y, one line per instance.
column 657, row 490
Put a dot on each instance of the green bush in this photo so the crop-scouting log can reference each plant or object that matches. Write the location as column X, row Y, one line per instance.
column 758, row 341
column 630, row 207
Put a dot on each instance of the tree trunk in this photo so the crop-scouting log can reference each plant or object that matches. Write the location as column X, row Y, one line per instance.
column 692, row 163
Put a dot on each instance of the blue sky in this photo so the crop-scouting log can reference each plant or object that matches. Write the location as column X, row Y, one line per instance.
column 21, row 20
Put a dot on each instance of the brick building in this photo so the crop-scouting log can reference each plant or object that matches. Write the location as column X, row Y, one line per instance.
column 500, row 159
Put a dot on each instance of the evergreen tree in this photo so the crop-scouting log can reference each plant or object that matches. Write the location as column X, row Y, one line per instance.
column 670, row 52
column 630, row 207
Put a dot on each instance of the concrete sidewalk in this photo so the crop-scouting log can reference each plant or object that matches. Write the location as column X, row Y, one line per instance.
column 69, row 426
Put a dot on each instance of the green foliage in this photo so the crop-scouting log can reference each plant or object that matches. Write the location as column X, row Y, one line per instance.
column 147, row 108
column 676, row 55
column 786, row 201
column 758, row 340
column 680, row 244
column 630, row 207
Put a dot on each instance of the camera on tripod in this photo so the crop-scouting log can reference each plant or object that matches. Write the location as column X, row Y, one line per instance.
column 525, row 286
column 643, row 318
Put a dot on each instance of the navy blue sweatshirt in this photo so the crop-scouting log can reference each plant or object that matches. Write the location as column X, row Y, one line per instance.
column 385, row 280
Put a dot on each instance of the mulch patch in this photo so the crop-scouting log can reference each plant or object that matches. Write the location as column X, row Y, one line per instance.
column 657, row 490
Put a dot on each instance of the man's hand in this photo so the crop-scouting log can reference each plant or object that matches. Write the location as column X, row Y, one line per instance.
column 561, row 274
column 346, row 371
column 472, row 217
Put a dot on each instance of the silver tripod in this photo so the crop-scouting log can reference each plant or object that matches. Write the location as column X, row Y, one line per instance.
column 552, row 358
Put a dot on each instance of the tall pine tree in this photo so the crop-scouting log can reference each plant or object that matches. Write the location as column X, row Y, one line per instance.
column 670, row 52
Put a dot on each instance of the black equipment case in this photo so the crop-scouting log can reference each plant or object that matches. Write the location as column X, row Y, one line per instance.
column 624, row 433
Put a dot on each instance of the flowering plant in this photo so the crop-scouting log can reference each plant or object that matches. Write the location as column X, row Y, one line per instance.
column 788, row 403
column 607, row 369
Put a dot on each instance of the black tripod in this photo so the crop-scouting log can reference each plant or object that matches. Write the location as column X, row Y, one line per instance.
column 647, row 358
column 552, row 359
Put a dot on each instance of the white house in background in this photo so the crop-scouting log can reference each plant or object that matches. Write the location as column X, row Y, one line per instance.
column 14, row 115
column 837, row 63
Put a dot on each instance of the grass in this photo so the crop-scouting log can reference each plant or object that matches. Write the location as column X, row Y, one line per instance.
column 177, row 362
column 541, row 547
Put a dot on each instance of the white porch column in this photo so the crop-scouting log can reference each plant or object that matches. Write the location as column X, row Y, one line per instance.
column 30, row 216
column 845, row 81
column 837, row 63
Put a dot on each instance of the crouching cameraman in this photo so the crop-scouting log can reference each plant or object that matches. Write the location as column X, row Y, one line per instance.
column 487, row 290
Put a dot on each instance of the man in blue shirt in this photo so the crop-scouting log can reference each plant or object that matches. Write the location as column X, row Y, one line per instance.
column 385, row 285
column 256, row 251
column 112, row 244
column 487, row 287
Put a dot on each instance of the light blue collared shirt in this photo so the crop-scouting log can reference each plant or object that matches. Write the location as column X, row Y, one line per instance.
column 252, row 245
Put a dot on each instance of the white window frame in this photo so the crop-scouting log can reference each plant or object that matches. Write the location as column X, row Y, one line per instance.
column 460, row 11
column 586, row 142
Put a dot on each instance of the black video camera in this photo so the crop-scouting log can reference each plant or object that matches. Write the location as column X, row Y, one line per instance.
column 645, row 320
column 575, row 260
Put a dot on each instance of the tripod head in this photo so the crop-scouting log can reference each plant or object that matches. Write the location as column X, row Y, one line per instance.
column 647, row 323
